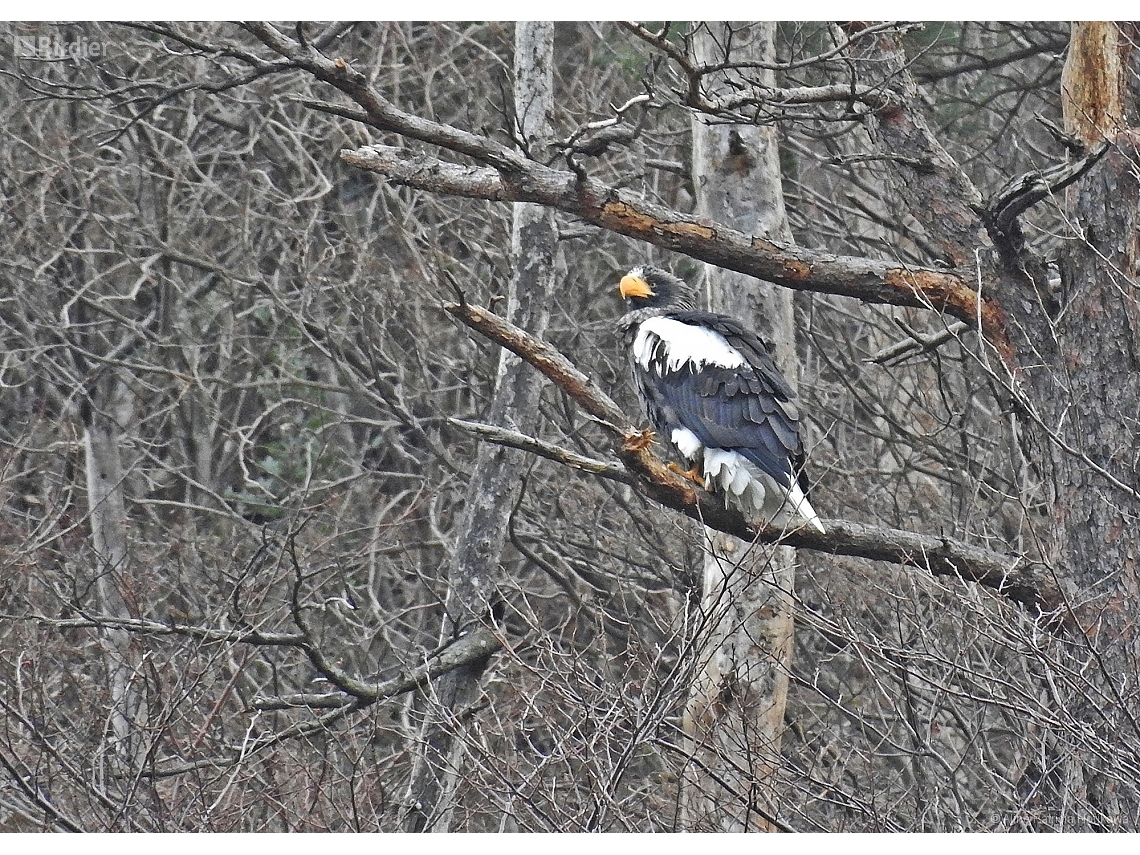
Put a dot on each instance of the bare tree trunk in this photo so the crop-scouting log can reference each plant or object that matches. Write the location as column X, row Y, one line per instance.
column 1097, row 338
column 102, row 439
column 495, row 484
column 734, row 717
column 1076, row 388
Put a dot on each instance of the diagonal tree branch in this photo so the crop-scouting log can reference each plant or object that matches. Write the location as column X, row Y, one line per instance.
column 1025, row 191
column 470, row 647
column 541, row 448
column 509, row 175
column 1012, row 576
column 621, row 211
column 473, row 646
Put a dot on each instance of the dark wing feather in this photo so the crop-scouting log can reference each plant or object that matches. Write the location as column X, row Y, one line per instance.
column 749, row 409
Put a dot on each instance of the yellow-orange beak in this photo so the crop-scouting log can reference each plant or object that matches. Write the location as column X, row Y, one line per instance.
column 634, row 286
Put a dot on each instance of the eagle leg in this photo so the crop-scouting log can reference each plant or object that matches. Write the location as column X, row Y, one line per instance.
column 693, row 475
column 638, row 440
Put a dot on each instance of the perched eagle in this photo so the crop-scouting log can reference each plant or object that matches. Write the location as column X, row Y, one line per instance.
column 710, row 387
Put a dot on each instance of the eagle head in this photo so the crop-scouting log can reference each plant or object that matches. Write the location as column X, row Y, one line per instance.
column 647, row 287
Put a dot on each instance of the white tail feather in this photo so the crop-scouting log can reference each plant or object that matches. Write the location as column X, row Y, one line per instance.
column 802, row 506
column 755, row 492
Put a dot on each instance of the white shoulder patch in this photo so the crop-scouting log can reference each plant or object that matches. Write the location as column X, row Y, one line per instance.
column 684, row 343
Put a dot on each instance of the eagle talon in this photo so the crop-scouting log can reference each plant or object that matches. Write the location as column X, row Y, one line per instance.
column 693, row 475
column 639, row 440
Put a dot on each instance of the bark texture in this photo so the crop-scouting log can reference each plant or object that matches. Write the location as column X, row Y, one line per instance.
column 734, row 718
column 1094, row 84
column 1096, row 521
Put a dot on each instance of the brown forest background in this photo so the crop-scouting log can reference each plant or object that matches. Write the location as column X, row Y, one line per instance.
column 232, row 484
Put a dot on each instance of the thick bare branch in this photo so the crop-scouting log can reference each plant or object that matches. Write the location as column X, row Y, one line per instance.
column 916, row 342
column 514, row 439
column 522, row 180
column 473, row 646
column 1025, row 191
column 1013, row 576
column 623, row 212
column 379, row 112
